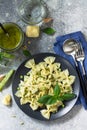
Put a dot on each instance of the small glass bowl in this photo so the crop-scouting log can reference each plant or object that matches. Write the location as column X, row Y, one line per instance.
column 13, row 40
column 31, row 11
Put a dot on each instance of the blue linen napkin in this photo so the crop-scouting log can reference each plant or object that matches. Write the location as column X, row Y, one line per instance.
column 78, row 36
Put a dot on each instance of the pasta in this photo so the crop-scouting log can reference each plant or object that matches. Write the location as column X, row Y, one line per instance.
column 40, row 80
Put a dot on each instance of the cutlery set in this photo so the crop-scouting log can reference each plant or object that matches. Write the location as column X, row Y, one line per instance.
column 75, row 49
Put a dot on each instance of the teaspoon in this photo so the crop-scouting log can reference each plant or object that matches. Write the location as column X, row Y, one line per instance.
column 70, row 47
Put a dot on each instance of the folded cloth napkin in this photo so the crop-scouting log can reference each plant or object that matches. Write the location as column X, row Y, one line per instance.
column 58, row 48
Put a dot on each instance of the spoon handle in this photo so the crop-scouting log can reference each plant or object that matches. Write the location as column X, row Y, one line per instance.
column 82, row 82
column 3, row 28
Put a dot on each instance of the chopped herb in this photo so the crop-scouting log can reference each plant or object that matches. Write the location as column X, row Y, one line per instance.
column 18, row 88
column 21, row 76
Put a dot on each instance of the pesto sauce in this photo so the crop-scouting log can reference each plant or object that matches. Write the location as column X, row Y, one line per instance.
column 13, row 40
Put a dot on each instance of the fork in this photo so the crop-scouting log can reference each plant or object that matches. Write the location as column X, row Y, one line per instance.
column 80, row 56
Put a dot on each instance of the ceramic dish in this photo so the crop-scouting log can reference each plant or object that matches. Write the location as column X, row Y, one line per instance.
column 22, row 70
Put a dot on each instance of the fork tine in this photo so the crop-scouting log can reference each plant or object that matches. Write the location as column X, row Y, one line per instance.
column 81, row 49
column 80, row 56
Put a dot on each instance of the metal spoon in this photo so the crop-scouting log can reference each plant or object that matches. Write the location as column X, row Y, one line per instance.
column 5, row 31
column 70, row 47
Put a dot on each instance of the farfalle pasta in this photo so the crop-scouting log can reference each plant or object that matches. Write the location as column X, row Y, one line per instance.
column 40, row 80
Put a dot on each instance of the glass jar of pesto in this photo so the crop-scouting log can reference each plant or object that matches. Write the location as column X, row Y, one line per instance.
column 14, row 39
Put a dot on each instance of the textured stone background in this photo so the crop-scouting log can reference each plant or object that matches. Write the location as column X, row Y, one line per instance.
column 69, row 16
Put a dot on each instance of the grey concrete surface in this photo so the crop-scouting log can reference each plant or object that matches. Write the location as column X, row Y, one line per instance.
column 68, row 16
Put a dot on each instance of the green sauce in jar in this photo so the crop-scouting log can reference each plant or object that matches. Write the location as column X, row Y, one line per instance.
column 13, row 40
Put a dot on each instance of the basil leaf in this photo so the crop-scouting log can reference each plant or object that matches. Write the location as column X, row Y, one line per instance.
column 44, row 99
column 57, row 90
column 26, row 53
column 49, row 31
column 68, row 96
column 59, row 98
column 51, row 100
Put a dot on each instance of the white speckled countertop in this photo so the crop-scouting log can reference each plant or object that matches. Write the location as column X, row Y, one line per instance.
column 69, row 16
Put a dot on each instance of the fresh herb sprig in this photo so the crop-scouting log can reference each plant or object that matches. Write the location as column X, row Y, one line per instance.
column 51, row 99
